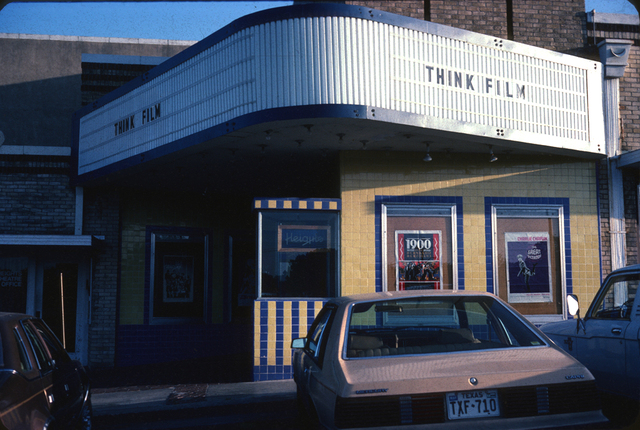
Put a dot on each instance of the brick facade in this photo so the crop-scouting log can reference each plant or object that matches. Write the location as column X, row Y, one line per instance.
column 102, row 218
column 36, row 203
column 549, row 24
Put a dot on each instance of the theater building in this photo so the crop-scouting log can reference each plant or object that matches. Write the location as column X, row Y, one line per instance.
column 217, row 200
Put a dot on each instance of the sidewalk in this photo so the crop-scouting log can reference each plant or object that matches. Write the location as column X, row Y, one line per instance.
column 140, row 399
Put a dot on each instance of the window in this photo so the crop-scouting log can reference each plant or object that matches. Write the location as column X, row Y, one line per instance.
column 319, row 333
column 44, row 363
column 528, row 257
column 419, row 247
column 434, row 325
column 616, row 300
column 298, row 253
column 53, row 344
column 179, row 275
column 13, row 284
column 25, row 363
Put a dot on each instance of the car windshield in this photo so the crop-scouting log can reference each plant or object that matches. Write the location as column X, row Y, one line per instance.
column 427, row 325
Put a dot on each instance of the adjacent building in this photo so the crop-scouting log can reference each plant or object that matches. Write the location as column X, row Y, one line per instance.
column 193, row 200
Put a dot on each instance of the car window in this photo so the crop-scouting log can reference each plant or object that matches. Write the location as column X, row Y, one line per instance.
column 25, row 363
column 616, row 300
column 319, row 332
column 53, row 344
column 426, row 325
column 43, row 361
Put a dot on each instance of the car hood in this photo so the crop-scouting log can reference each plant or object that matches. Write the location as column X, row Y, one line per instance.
column 561, row 328
column 452, row 372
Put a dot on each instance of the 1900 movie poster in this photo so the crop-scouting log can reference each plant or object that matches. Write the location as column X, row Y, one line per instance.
column 178, row 278
column 417, row 260
column 529, row 268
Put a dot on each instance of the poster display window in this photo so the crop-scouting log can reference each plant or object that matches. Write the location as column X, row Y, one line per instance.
column 528, row 259
column 179, row 275
column 418, row 260
column 529, row 267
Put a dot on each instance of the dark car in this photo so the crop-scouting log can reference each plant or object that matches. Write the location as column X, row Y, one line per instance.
column 41, row 387
column 606, row 341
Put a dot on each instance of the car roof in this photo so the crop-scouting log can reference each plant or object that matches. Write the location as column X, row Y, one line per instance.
column 390, row 295
column 632, row 268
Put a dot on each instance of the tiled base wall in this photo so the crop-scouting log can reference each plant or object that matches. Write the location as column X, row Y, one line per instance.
column 276, row 323
column 149, row 344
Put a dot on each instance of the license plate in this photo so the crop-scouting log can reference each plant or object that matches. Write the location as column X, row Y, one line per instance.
column 473, row 404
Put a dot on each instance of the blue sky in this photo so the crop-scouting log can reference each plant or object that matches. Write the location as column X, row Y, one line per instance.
column 182, row 20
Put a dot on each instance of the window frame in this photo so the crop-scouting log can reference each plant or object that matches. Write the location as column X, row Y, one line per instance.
column 423, row 210
column 334, row 240
column 198, row 236
column 598, row 301
column 531, row 211
column 318, row 354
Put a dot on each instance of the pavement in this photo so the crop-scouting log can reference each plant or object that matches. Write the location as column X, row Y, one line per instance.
column 154, row 398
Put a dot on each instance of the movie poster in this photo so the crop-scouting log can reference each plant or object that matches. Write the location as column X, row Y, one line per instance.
column 528, row 267
column 178, row 278
column 418, row 260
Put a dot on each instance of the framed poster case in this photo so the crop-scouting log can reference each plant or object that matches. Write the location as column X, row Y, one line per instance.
column 528, row 267
column 418, row 259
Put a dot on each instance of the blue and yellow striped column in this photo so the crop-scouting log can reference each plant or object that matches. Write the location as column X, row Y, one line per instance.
column 276, row 323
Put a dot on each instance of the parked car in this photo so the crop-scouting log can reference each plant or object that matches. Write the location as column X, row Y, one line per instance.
column 607, row 340
column 445, row 358
column 40, row 386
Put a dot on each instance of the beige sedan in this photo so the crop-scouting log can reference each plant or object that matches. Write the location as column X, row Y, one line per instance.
column 449, row 359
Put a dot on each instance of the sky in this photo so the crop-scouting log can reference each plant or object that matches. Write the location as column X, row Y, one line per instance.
column 183, row 20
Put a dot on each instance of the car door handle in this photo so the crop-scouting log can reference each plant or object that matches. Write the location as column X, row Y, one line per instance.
column 616, row 330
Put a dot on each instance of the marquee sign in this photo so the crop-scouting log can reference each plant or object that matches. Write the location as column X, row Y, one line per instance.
column 428, row 75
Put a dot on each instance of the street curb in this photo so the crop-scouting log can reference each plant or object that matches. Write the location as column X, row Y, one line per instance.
column 195, row 396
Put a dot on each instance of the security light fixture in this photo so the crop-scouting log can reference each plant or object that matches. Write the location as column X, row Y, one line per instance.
column 492, row 156
column 427, row 157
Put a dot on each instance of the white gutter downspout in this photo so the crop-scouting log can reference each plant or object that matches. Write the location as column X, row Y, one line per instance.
column 614, row 55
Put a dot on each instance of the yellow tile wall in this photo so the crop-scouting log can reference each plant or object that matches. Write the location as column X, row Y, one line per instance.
column 365, row 175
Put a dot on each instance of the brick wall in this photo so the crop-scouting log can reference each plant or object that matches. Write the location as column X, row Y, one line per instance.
column 486, row 17
column 630, row 102
column 102, row 218
column 549, row 24
column 35, row 203
column 412, row 8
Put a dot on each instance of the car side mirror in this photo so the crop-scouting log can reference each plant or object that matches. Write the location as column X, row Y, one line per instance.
column 574, row 311
column 298, row 343
column 574, row 306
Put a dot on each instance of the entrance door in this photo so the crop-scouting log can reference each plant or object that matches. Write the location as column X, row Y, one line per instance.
column 419, row 248
column 38, row 283
column 62, row 301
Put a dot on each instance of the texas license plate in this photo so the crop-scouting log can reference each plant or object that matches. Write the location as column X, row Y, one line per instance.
column 473, row 404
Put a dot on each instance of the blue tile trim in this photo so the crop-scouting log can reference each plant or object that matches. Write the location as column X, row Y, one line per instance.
column 262, row 203
column 282, row 369
column 457, row 200
column 534, row 201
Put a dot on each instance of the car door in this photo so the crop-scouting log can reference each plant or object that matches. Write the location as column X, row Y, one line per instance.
column 608, row 333
column 61, row 380
column 313, row 380
column 23, row 403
